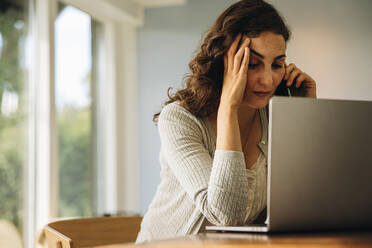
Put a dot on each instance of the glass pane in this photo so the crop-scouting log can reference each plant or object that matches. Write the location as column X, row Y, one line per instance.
column 73, row 92
column 13, row 118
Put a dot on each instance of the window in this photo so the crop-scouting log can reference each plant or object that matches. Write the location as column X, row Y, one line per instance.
column 74, row 94
column 13, row 111
column 61, row 154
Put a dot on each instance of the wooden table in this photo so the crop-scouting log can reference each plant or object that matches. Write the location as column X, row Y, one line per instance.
column 228, row 240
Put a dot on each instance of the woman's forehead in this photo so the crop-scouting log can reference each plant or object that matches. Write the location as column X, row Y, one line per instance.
column 268, row 45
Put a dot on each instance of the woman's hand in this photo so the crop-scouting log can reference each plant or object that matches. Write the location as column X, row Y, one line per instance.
column 233, row 88
column 302, row 84
column 236, row 62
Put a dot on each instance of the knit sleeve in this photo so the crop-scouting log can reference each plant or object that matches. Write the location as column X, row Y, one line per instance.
column 219, row 186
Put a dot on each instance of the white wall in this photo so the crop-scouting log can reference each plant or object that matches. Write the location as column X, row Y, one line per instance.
column 332, row 42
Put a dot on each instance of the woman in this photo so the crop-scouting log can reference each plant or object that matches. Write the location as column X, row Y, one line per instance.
column 214, row 132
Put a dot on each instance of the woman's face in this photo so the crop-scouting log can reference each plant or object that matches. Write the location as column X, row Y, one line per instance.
column 266, row 69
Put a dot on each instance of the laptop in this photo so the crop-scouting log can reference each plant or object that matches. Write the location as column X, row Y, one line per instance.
column 319, row 166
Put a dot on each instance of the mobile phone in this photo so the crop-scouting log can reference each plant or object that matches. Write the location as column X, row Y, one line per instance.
column 282, row 89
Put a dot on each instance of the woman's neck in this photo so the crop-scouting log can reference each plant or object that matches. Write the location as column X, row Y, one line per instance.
column 246, row 115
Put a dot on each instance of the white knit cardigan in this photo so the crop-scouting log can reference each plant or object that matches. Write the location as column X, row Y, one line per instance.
column 200, row 184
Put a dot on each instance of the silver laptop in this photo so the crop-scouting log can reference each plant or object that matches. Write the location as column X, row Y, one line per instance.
column 319, row 166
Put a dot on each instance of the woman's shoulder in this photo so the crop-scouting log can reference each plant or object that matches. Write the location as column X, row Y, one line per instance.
column 175, row 110
column 176, row 113
column 173, row 107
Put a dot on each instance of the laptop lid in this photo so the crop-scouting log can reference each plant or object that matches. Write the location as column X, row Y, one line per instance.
column 319, row 164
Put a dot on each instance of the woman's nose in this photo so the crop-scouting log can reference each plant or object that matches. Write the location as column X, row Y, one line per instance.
column 266, row 78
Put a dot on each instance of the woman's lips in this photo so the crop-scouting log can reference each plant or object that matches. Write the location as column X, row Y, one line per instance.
column 262, row 93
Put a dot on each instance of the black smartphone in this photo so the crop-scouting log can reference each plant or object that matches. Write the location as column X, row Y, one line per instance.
column 282, row 89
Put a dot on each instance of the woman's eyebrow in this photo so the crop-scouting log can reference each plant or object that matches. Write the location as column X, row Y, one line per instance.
column 261, row 56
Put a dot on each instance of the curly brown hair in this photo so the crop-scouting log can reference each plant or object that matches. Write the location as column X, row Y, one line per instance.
column 201, row 94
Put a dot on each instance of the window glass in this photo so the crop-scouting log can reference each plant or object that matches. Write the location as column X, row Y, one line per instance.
column 13, row 118
column 74, row 106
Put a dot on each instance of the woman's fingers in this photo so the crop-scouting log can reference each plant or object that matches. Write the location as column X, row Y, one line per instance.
column 295, row 73
column 300, row 79
column 234, row 82
column 225, row 63
column 244, row 66
column 232, row 51
column 292, row 73
column 239, row 56
column 288, row 70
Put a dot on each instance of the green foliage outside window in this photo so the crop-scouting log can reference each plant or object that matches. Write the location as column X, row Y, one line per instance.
column 76, row 186
column 74, row 130
column 13, row 30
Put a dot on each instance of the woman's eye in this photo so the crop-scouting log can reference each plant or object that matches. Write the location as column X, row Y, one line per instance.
column 253, row 66
column 277, row 66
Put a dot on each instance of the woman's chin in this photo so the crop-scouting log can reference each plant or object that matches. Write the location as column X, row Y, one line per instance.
column 256, row 104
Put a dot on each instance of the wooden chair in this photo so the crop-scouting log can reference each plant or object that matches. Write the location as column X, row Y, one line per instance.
column 86, row 232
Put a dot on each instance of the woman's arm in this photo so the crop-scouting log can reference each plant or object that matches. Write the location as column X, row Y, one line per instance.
column 234, row 83
column 217, row 186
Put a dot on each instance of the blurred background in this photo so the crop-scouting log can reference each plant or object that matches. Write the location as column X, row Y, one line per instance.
column 80, row 81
